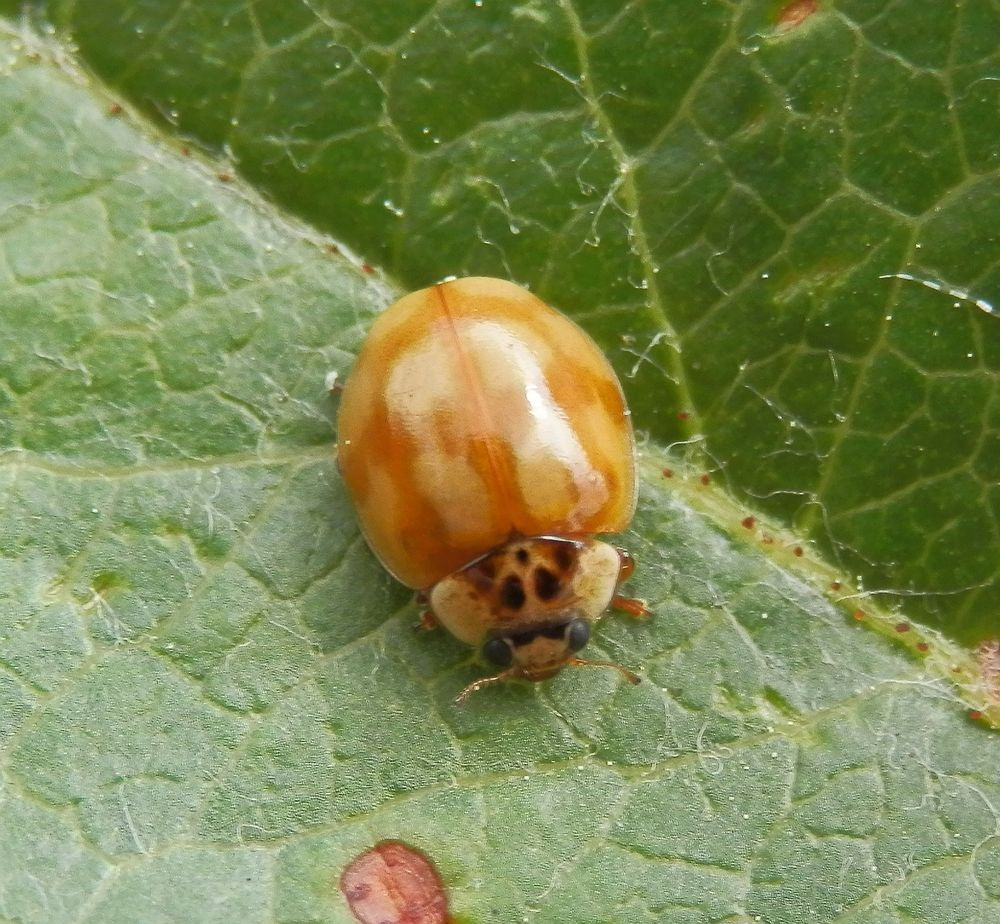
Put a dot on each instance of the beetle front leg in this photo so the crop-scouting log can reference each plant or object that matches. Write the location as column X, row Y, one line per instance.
column 427, row 619
column 631, row 605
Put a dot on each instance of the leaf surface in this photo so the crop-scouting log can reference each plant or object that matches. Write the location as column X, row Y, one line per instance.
column 211, row 698
column 779, row 221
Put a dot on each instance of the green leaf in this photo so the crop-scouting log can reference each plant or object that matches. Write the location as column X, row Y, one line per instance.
column 744, row 204
column 212, row 698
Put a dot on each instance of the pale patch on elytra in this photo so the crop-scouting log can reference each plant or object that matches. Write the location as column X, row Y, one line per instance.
column 426, row 397
column 422, row 382
column 542, row 483
column 458, row 493
column 546, row 445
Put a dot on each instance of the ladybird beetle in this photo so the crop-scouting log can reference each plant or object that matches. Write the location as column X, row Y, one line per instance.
column 485, row 440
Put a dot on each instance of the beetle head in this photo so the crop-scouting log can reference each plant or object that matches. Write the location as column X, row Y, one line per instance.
column 529, row 603
column 539, row 653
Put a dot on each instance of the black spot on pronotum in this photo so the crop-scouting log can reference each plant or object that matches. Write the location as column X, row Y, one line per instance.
column 547, row 584
column 564, row 556
column 512, row 592
column 522, row 556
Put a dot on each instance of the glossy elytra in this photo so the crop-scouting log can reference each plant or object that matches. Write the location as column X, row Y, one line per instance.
column 485, row 441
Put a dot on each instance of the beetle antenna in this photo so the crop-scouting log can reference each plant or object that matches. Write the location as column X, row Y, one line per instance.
column 624, row 671
column 487, row 681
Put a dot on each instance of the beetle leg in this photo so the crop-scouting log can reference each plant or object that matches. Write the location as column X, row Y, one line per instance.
column 627, row 564
column 332, row 383
column 427, row 621
column 631, row 605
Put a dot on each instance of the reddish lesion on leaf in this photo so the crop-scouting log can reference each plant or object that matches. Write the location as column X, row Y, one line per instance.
column 393, row 883
column 793, row 14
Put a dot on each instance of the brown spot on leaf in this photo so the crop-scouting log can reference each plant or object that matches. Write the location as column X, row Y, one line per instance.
column 394, row 884
column 793, row 14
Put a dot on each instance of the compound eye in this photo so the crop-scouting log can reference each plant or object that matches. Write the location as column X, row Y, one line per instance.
column 498, row 652
column 577, row 634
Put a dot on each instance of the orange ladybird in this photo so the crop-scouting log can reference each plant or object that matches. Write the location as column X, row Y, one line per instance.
column 485, row 440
